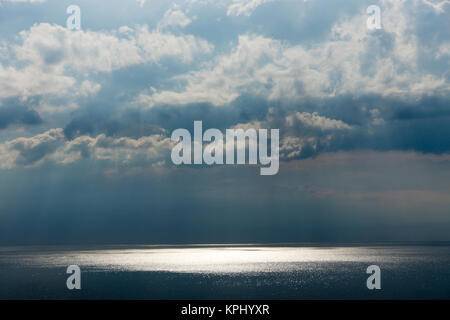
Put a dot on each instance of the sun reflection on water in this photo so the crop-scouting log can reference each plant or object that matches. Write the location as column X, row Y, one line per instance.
column 209, row 259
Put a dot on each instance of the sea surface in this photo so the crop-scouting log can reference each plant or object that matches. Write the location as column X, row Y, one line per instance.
column 288, row 271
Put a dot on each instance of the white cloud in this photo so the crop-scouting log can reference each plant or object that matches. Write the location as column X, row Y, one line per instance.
column 30, row 151
column 53, row 47
column 31, row 81
column 438, row 6
column 88, row 88
column 50, row 57
column 353, row 61
column 122, row 151
column 316, row 121
column 175, row 18
column 303, row 134
column 291, row 147
column 52, row 146
column 444, row 50
column 155, row 45
column 229, row 76
column 244, row 7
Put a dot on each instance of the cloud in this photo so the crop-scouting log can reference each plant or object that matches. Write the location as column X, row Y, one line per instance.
column 53, row 146
column 308, row 134
column 28, row 151
column 304, row 134
column 52, row 58
column 88, row 88
column 353, row 89
column 52, row 47
column 244, row 7
column 13, row 112
column 31, row 81
column 316, row 121
column 437, row 6
column 174, row 17
column 231, row 76
column 352, row 61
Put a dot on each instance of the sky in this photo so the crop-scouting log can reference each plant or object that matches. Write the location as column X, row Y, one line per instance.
column 86, row 118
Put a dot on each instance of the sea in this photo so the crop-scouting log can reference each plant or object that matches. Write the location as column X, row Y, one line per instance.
column 227, row 271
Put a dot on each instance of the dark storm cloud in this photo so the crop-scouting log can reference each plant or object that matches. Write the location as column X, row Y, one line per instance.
column 105, row 118
column 376, row 122
column 383, row 124
column 13, row 112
